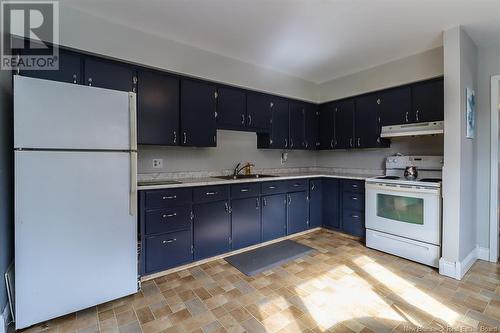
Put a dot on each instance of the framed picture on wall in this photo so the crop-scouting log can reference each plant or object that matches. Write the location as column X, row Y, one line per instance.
column 470, row 113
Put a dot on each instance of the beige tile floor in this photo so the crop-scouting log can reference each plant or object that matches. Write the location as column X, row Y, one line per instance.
column 341, row 287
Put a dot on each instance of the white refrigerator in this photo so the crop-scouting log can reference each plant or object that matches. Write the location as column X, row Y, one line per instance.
column 75, row 155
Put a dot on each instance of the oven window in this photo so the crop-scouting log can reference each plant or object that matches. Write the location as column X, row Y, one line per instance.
column 399, row 208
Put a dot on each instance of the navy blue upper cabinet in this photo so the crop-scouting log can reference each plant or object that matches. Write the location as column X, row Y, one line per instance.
column 259, row 111
column 109, row 74
column 198, row 124
column 278, row 136
column 211, row 229
column 245, row 218
column 331, row 203
column 231, row 108
column 273, row 216
column 428, row 101
column 296, row 129
column 297, row 212
column 315, row 202
column 311, row 127
column 70, row 68
column 326, row 126
column 157, row 109
column 344, row 124
column 366, row 122
column 395, row 106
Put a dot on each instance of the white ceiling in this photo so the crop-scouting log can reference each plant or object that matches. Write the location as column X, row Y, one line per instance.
column 316, row 40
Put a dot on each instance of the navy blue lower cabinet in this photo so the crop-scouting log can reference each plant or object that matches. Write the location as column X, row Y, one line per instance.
column 297, row 212
column 353, row 223
column 273, row 216
column 211, row 229
column 315, row 203
column 331, row 203
column 245, row 219
column 168, row 250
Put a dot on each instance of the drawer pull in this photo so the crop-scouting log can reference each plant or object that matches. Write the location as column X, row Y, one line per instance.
column 169, row 215
column 211, row 193
column 272, row 187
column 244, row 190
column 169, row 197
column 354, row 198
column 297, row 185
column 169, row 241
column 354, row 186
column 355, row 216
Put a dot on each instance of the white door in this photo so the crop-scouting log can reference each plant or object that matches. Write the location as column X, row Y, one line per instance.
column 75, row 232
column 407, row 212
column 56, row 115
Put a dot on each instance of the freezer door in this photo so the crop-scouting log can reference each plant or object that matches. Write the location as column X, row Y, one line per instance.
column 75, row 234
column 57, row 115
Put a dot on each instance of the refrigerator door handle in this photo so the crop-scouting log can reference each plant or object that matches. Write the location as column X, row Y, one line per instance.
column 132, row 106
column 133, row 183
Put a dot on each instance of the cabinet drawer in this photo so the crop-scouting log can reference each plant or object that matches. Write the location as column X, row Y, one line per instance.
column 211, row 193
column 168, row 219
column 352, row 185
column 168, row 250
column 353, row 223
column 168, row 198
column 245, row 190
column 353, row 201
column 297, row 185
column 273, row 187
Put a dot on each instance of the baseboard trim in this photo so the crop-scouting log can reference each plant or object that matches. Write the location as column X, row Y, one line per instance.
column 458, row 269
column 4, row 319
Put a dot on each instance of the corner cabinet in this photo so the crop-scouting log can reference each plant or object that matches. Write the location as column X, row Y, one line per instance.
column 198, row 114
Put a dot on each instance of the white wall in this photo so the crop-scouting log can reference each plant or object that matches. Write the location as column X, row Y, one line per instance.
column 83, row 31
column 459, row 228
column 488, row 65
column 414, row 68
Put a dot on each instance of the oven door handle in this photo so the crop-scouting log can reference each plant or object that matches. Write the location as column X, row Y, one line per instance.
column 402, row 188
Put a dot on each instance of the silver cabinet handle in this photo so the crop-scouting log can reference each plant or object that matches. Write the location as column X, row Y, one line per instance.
column 90, row 81
column 228, row 209
column 243, row 119
column 286, row 143
column 416, row 115
column 297, row 184
column 271, row 104
column 169, row 215
column 306, row 144
column 378, row 101
column 354, row 198
column 257, row 203
column 74, row 78
column 211, row 193
column 169, row 241
column 289, row 200
column 272, row 187
column 312, row 187
column 244, row 190
column 169, row 197
column 354, row 185
column 185, row 137
column 355, row 216
column 175, row 136
column 249, row 120
column 359, row 142
column 350, row 142
column 264, row 202
column 134, row 83
column 406, row 116
column 291, row 143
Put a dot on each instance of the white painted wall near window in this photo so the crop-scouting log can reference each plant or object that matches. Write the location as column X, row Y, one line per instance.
column 494, row 189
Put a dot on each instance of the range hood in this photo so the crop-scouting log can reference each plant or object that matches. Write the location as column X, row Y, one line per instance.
column 430, row 128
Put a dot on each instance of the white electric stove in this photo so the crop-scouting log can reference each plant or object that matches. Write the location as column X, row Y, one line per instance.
column 403, row 217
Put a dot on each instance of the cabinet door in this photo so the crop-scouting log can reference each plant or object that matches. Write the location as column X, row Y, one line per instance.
column 165, row 251
column 279, row 131
column 245, row 222
column 231, row 108
column 311, row 127
column 297, row 112
column 70, row 68
column 259, row 112
column 109, row 74
column 315, row 203
column 326, row 126
column 157, row 109
column 395, row 106
column 297, row 213
column 366, row 129
column 198, row 124
column 211, row 229
column 428, row 101
column 273, row 217
column 331, row 203
column 344, row 124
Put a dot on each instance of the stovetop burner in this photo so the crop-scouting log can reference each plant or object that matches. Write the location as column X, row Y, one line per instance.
column 389, row 177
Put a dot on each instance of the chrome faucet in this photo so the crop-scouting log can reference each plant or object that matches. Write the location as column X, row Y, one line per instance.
column 237, row 169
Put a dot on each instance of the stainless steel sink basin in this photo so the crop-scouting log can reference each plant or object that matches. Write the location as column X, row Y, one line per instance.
column 231, row 177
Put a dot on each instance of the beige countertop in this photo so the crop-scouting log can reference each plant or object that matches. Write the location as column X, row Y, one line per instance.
column 207, row 181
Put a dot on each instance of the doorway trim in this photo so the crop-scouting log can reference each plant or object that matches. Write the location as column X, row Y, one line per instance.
column 494, row 185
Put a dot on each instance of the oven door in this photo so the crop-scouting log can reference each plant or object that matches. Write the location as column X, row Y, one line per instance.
column 406, row 211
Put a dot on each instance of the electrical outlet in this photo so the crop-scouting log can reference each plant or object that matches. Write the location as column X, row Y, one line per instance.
column 157, row 163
